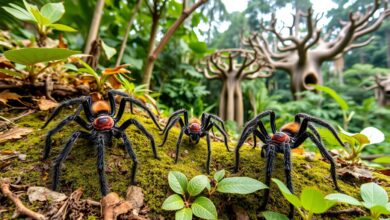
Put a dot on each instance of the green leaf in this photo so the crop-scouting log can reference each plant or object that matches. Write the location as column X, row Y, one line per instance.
column 41, row 20
column 204, row 208
column 240, row 185
column 173, row 202
column 31, row 56
column 379, row 210
column 62, row 27
column 197, row 185
column 13, row 73
column 339, row 197
column 19, row 13
column 198, row 47
column 178, row 182
column 274, row 216
column 385, row 160
column 184, row 214
column 218, row 176
column 293, row 199
column 372, row 195
column 53, row 11
column 313, row 201
column 342, row 103
column 108, row 51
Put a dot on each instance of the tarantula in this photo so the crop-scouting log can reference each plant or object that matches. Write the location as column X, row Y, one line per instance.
column 195, row 129
column 290, row 136
column 102, row 126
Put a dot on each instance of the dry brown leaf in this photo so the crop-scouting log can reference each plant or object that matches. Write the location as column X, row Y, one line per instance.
column 135, row 196
column 61, row 43
column 7, row 95
column 38, row 193
column 46, row 104
column 113, row 206
column 116, row 70
column 4, row 63
column 14, row 134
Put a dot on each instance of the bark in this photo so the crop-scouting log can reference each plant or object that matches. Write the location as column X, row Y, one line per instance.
column 231, row 103
column 94, row 28
column 388, row 47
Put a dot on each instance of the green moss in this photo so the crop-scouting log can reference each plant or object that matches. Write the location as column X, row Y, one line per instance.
column 80, row 167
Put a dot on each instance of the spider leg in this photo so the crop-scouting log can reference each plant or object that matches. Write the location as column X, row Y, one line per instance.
column 223, row 132
column 327, row 155
column 254, row 141
column 63, row 155
column 262, row 115
column 139, row 104
column 208, row 152
column 143, row 130
column 178, row 143
column 84, row 101
column 176, row 114
column 244, row 135
column 308, row 118
column 287, row 172
column 111, row 98
column 270, row 154
column 64, row 122
column 100, row 165
column 208, row 118
column 132, row 155
column 168, row 128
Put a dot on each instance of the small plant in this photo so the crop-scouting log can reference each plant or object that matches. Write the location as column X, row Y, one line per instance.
column 45, row 18
column 356, row 142
column 188, row 200
column 375, row 198
column 311, row 202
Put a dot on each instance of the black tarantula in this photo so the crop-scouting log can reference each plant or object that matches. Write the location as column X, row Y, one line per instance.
column 102, row 126
column 290, row 136
column 195, row 129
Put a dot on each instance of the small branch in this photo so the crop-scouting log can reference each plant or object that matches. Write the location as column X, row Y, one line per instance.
column 94, row 29
column 20, row 208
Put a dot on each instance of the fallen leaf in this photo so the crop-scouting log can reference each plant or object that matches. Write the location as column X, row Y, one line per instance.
column 384, row 172
column 38, row 193
column 298, row 150
column 355, row 174
column 6, row 95
column 14, row 134
column 240, row 213
column 113, row 206
column 46, row 104
column 135, row 196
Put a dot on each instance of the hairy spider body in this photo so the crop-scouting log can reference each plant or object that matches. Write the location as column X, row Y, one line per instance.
column 195, row 129
column 102, row 124
column 290, row 136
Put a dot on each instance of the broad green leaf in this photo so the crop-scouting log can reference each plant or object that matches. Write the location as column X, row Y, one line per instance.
column 204, row 208
column 339, row 197
column 173, row 202
column 372, row 195
column 31, row 56
column 62, row 27
column 178, row 182
column 385, row 160
column 19, row 13
column 313, row 201
column 197, row 185
column 240, row 185
column 379, row 210
column 198, row 47
column 12, row 73
column 293, row 199
column 53, row 11
column 218, row 176
column 268, row 215
column 41, row 20
column 342, row 103
column 184, row 214
column 108, row 51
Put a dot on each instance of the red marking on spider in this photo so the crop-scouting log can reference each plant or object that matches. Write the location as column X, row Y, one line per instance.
column 194, row 127
column 103, row 123
column 280, row 137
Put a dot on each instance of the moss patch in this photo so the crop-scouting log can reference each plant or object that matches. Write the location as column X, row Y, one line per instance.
column 80, row 167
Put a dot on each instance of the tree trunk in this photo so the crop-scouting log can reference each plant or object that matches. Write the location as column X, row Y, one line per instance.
column 94, row 28
column 388, row 47
column 231, row 105
column 149, row 61
column 302, row 77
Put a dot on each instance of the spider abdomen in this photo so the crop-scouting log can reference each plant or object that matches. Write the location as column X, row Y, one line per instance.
column 280, row 137
column 104, row 122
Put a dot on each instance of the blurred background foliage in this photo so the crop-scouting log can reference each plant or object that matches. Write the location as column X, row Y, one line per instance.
column 178, row 83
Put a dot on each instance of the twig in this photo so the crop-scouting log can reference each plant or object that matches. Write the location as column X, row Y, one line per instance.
column 20, row 208
column 351, row 211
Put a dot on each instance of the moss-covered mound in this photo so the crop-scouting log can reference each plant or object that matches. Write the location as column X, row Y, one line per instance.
column 80, row 167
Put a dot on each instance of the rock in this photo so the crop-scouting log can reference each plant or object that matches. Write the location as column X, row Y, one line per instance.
column 22, row 157
column 310, row 156
column 37, row 193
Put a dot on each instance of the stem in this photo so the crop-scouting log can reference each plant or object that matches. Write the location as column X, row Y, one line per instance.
column 310, row 216
column 301, row 213
column 93, row 30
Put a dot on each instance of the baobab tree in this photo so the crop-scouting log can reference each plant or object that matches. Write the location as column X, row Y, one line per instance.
column 232, row 66
column 382, row 89
column 301, row 55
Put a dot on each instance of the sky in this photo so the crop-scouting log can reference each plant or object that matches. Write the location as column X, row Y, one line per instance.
column 240, row 5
